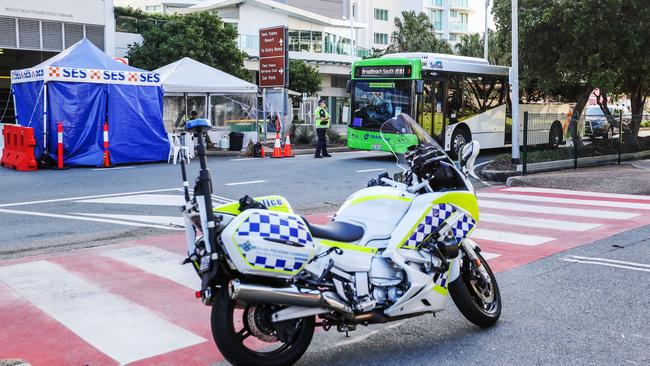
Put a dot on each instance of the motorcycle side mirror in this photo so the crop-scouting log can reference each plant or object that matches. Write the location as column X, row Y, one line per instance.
column 467, row 155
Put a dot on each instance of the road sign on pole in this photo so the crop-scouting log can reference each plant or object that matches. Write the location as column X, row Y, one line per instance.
column 273, row 57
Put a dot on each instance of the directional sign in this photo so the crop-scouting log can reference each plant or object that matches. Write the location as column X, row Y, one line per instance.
column 273, row 57
column 272, row 42
column 272, row 72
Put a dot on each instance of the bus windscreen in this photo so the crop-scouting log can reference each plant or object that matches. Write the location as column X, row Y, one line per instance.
column 377, row 101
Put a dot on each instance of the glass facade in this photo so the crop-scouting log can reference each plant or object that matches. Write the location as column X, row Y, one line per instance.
column 436, row 19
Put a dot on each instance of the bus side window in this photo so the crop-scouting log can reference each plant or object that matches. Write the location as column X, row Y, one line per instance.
column 454, row 98
column 425, row 111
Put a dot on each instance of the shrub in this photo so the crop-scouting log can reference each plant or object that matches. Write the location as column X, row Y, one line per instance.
column 333, row 136
column 305, row 135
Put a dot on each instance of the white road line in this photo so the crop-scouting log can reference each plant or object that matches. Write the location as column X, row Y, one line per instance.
column 510, row 238
column 570, row 201
column 600, row 214
column 81, row 218
column 85, row 197
column 122, row 330
column 159, row 262
column 116, row 168
column 141, row 199
column 244, row 159
column 538, row 223
column 577, row 193
column 370, row 170
column 604, row 264
column 612, row 261
column 242, row 183
column 158, row 220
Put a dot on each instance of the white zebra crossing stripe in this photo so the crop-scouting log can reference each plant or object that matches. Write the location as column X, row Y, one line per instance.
column 487, row 256
column 538, row 223
column 552, row 210
column 509, row 237
column 159, row 262
column 577, row 193
column 141, row 199
column 159, row 220
column 122, row 330
column 570, row 201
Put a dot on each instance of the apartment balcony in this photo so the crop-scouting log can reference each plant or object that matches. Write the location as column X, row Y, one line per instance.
column 459, row 5
column 250, row 45
column 433, row 4
column 458, row 27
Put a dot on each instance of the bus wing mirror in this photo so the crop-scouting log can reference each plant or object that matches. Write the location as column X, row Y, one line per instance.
column 419, row 87
column 348, row 86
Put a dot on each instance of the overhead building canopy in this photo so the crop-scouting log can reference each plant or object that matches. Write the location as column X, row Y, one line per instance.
column 190, row 76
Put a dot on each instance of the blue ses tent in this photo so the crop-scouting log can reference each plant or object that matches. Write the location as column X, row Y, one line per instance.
column 83, row 88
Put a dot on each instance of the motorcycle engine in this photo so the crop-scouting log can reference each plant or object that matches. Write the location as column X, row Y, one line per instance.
column 387, row 281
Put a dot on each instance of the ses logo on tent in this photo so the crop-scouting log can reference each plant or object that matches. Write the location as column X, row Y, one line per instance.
column 53, row 73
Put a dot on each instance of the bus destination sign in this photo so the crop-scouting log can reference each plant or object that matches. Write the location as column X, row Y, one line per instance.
column 386, row 72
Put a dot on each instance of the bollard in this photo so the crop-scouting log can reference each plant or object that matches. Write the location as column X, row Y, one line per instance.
column 107, row 161
column 59, row 153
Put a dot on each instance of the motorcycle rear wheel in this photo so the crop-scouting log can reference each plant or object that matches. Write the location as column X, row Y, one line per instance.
column 480, row 303
column 258, row 346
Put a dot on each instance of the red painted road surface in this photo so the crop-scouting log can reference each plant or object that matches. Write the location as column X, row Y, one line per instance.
column 133, row 303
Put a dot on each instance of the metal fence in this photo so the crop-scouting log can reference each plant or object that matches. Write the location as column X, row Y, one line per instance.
column 557, row 141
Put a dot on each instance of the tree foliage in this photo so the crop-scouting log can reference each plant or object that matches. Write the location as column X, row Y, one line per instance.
column 569, row 47
column 414, row 33
column 303, row 79
column 201, row 36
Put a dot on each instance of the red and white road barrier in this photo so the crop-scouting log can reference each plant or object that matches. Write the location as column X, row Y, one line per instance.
column 107, row 160
column 59, row 152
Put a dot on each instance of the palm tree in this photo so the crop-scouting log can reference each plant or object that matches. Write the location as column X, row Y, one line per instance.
column 414, row 33
column 470, row 45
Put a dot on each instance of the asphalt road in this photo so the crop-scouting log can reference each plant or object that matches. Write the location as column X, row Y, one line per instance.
column 555, row 312
column 52, row 208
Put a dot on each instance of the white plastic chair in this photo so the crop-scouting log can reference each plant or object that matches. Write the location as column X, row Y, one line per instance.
column 176, row 149
column 189, row 147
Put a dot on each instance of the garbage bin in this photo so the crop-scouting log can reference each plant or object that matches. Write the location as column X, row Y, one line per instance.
column 236, row 141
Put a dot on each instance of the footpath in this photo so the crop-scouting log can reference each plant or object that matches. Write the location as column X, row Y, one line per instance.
column 627, row 178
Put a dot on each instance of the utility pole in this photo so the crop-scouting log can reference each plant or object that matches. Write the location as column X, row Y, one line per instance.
column 514, row 82
column 485, row 34
column 352, row 37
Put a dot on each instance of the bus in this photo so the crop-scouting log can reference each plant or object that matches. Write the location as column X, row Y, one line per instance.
column 456, row 99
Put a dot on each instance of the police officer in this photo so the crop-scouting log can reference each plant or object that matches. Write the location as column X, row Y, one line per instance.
column 322, row 122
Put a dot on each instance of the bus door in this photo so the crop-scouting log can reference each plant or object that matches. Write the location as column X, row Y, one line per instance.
column 431, row 116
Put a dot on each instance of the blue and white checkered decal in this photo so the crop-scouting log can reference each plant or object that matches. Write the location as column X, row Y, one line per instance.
column 274, row 226
column 431, row 221
column 463, row 227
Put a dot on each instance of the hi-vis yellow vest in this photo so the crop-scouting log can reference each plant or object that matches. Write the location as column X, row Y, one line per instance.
column 317, row 120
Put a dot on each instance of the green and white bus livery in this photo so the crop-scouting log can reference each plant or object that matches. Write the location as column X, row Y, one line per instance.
column 455, row 99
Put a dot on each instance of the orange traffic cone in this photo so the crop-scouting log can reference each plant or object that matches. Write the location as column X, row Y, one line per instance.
column 287, row 148
column 262, row 152
column 277, row 149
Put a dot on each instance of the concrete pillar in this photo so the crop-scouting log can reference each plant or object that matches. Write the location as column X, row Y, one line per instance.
column 109, row 28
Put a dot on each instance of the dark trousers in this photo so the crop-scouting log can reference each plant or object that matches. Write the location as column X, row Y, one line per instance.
column 321, row 144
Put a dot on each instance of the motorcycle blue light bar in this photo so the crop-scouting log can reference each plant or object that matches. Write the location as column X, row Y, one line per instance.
column 197, row 123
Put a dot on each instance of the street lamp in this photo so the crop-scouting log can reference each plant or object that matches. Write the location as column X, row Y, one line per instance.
column 514, row 82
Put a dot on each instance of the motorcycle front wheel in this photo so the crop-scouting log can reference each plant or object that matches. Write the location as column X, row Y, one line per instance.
column 479, row 302
column 245, row 334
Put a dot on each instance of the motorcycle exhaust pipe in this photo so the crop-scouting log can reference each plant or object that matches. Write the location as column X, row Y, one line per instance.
column 289, row 295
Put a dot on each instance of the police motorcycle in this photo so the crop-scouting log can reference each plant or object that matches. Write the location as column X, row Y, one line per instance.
column 394, row 250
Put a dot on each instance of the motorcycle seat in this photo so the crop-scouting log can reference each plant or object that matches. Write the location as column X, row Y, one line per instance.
column 337, row 231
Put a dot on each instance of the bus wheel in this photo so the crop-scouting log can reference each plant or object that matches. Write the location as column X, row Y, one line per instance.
column 555, row 135
column 459, row 138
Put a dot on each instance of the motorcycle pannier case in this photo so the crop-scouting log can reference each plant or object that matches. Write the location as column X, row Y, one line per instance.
column 268, row 243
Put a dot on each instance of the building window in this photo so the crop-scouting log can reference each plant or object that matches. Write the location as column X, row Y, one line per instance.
column 381, row 14
column 453, row 14
column 453, row 37
column 436, row 19
column 153, row 8
column 381, row 38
